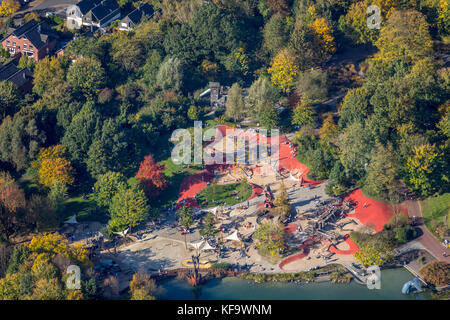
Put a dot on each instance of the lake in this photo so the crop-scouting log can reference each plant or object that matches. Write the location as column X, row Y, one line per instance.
column 230, row 288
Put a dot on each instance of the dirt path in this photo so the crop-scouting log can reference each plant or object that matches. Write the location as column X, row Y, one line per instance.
column 427, row 239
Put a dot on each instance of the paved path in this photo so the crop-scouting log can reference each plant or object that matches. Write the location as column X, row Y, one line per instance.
column 427, row 239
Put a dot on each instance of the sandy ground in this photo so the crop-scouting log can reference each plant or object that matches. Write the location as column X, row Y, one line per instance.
column 166, row 249
column 154, row 254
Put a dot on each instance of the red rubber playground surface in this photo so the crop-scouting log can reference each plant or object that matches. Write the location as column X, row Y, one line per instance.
column 290, row 163
column 371, row 212
column 351, row 250
column 192, row 185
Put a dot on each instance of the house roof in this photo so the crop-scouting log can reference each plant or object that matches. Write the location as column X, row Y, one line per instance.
column 15, row 75
column 87, row 5
column 136, row 15
column 37, row 33
column 104, row 9
column 24, row 28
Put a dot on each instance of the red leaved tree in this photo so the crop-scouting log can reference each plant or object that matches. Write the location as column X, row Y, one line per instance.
column 152, row 177
column 11, row 200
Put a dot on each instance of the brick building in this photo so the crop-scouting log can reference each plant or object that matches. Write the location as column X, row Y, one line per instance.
column 33, row 39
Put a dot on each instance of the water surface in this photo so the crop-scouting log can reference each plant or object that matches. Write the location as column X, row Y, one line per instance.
column 392, row 281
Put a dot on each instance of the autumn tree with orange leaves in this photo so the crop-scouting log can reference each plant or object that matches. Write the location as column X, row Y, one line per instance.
column 152, row 177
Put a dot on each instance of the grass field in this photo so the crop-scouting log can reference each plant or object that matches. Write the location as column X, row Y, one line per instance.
column 223, row 194
column 434, row 209
column 86, row 210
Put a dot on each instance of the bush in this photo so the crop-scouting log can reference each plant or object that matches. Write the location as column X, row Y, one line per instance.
column 221, row 265
column 405, row 234
column 436, row 273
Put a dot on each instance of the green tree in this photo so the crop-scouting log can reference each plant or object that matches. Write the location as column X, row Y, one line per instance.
column 9, row 98
column 261, row 93
column 106, row 187
column 26, row 62
column 193, row 113
column 355, row 107
column 424, row 169
column 110, row 149
column 354, row 24
column 235, row 103
column 301, row 42
column 275, row 34
column 313, row 85
column 47, row 74
column 269, row 117
column 20, row 140
column 382, row 175
column 84, row 47
column 270, row 239
column 127, row 53
column 170, row 75
column 356, row 145
column 129, row 208
column 87, row 76
column 81, row 131
column 209, row 225
column 405, row 35
column 304, row 115
column 185, row 219
column 58, row 195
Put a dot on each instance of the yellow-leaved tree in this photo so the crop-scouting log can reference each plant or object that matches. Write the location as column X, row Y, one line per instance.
column 323, row 33
column 8, row 7
column 284, row 70
column 423, row 168
column 329, row 130
column 53, row 167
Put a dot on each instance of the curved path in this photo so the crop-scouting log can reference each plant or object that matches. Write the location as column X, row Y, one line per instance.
column 427, row 239
column 297, row 256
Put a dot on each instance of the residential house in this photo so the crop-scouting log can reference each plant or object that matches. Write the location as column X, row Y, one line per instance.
column 22, row 78
column 135, row 17
column 33, row 39
column 92, row 13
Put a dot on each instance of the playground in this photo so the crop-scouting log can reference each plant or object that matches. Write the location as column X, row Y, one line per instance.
column 241, row 197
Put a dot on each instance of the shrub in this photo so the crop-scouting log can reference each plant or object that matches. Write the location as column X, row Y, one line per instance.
column 436, row 273
column 221, row 265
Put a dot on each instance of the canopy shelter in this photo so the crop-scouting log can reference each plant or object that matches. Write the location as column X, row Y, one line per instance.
column 197, row 245
column 123, row 233
column 72, row 220
column 233, row 236
column 207, row 247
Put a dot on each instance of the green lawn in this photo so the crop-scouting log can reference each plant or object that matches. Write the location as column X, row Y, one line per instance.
column 86, row 210
column 434, row 209
column 175, row 175
column 223, row 194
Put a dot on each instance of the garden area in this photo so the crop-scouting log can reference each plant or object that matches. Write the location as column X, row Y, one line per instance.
column 228, row 194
